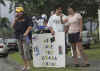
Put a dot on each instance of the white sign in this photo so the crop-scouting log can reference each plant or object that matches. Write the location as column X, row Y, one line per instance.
column 48, row 50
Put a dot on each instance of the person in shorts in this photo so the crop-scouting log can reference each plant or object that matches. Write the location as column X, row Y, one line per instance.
column 22, row 26
column 75, row 25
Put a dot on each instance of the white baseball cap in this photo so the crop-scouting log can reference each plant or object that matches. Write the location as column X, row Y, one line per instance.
column 44, row 16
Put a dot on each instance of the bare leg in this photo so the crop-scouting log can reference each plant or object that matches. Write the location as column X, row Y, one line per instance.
column 27, row 60
column 75, row 53
column 25, row 63
column 82, row 53
column 78, row 50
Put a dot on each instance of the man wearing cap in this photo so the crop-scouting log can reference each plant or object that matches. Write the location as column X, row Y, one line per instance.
column 22, row 26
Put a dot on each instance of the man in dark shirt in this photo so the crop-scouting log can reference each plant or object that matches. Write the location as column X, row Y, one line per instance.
column 23, row 26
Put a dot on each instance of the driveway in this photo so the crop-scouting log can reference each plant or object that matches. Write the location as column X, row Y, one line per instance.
column 6, row 64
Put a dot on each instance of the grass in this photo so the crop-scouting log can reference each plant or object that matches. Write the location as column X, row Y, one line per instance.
column 18, row 59
column 93, row 54
column 16, row 56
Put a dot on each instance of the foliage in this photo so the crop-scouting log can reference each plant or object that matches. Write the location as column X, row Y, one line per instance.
column 36, row 7
column 2, row 2
column 5, row 29
column 4, row 22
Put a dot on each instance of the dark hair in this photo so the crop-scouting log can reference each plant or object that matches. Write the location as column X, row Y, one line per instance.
column 58, row 6
column 74, row 6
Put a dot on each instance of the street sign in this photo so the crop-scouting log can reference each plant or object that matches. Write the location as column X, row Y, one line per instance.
column 48, row 50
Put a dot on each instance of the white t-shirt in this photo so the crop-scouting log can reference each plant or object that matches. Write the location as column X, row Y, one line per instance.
column 74, row 22
column 55, row 23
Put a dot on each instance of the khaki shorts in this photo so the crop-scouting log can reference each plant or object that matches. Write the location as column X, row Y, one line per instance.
column 24, row 49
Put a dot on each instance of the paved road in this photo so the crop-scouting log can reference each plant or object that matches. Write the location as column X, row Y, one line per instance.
column 7, row 65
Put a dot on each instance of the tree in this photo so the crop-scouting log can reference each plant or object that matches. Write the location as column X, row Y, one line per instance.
column 2, row 2
column 36, row 7
column 4, row 27
column 4, row 22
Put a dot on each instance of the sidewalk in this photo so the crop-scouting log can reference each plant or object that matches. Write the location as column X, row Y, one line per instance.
column 15, row 65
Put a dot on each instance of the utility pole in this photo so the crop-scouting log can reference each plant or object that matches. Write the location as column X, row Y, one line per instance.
column 98, row 2
column 0, row 9
column 0, row 12
column 99, row 21
column 0, row 18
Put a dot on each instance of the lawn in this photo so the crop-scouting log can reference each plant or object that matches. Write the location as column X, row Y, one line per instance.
column 18, row 59
column 93, row 54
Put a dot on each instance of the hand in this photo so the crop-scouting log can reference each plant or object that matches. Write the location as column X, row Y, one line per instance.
column 16, row 19
column 80, row 35
column 61, row 15
column 52, row 32
column 25, row 35
column 66, row 28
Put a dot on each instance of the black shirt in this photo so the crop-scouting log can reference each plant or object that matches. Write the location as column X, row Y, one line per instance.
column 21, row 26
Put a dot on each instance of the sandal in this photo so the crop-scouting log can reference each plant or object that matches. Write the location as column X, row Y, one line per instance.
column 76, row 65
column 86, row 65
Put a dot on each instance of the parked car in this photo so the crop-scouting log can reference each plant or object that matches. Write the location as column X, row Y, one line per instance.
column 86, row 39
column 12, row 44
column 3, row 48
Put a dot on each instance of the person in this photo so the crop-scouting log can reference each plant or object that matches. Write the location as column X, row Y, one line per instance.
column 52, row 12
column 44, row 17
column 75, row 24
column 55, row 22
column 42, row 20
column 35, row 23
column 23, row 26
